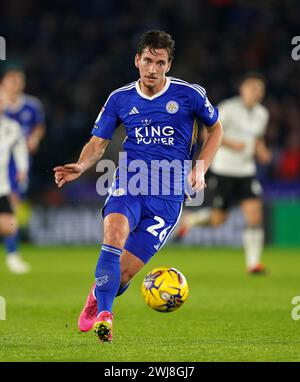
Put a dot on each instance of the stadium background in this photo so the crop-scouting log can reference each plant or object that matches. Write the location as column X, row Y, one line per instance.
column 75, row 53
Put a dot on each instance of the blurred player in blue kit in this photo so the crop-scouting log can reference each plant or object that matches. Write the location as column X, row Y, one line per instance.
column 159, row 114
column 28, row 112
column 12, row 143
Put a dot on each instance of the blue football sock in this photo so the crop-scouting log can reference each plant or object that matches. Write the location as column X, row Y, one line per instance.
column 108, row 276
column 12, row 243
column 122, row 289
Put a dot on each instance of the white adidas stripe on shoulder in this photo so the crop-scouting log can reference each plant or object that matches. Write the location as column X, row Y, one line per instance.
column 196, row 87
column 201, row 92
column 122, row 89
column 200, row 88
column 187, row 83
column 125, row 87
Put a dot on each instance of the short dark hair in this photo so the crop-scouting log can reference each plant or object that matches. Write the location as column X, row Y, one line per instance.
column 156, row 39
column 253, row 75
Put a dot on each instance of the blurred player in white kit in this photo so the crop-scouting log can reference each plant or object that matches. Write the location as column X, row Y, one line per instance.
column 28, row 112
column 12, row 142
column 233, row 172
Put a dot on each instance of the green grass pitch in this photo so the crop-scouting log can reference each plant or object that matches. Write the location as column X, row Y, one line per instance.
column 228, row 316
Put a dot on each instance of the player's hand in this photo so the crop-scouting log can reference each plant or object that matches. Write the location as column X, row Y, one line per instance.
column 67, row 173
column 264, row 157
column 33, row 144
column 21, row 177
column 196, row 180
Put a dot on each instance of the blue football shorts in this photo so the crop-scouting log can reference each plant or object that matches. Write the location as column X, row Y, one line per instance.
column 151, row 219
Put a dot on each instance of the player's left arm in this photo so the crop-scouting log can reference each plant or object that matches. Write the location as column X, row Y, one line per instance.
column 263, row 154
column 211, row 145
column 20, row 154
column 208, row 115
column 39, row 128
column 34, row 139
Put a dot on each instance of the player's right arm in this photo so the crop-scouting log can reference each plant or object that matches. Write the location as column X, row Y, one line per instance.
column 90, row 154
column 225, row 114
column 209, row 117
column 234, row 145
column 20, row 154
column 39, row 128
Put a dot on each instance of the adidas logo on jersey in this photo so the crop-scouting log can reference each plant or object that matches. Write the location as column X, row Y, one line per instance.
column 134, row 110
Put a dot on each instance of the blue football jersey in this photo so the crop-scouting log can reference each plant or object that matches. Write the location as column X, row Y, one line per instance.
column 29, row 113
column 158, row 128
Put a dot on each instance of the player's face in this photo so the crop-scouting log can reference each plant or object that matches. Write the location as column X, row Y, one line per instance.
column 153, row 66
column 13, row 82
column 252, row 91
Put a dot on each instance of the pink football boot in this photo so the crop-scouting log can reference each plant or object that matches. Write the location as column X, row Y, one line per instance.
column 103, row 326
column 89, row 312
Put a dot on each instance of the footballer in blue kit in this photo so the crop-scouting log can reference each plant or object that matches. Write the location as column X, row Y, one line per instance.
column 27, row 110
column 157, row 127
column 159, row 114
column 29, row 113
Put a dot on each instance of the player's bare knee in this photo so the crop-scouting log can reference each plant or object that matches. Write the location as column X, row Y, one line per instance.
column 116, row 237
column 217, row 219
column 116, row 230
column 12, row 228
column 217, row 222
column 8, row 226
column 254, row 219
column 7, row 231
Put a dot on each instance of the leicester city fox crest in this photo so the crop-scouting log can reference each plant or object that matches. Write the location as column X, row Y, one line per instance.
column 172, row 107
